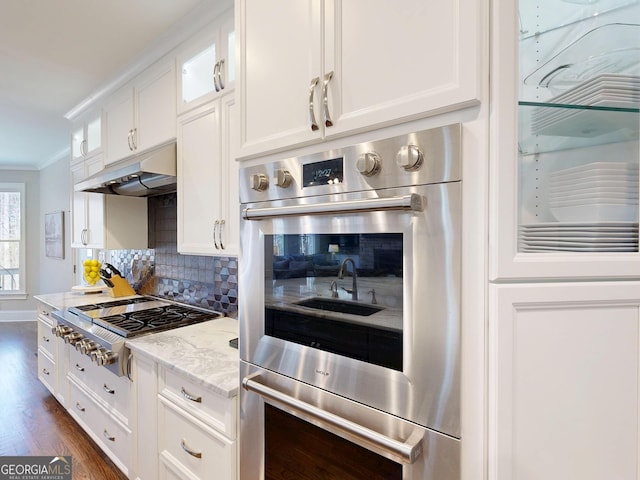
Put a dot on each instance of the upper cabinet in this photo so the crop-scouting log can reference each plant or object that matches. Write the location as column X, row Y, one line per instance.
column 565, row 129
column 318, row 69
column 208, row 203
column 206, row 65
column 87, row 136
column 142, row 114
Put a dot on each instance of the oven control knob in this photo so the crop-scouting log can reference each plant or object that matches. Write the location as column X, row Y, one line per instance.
column 410, row 157
column 259, row 182
column 369, row 164
column 282, row 178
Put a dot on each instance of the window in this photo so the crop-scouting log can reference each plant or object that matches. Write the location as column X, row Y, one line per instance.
column 12, row 238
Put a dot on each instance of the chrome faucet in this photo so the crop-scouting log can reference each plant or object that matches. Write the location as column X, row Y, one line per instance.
column 354, row 288
column 334, row 289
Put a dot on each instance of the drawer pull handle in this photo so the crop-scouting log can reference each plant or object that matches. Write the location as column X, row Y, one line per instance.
column 189, row 451
column 45, row 339
column 80, row 407
column 45, row 371
column 79, row 368
column 108, row 436
column 188, row 396
column 108, row 390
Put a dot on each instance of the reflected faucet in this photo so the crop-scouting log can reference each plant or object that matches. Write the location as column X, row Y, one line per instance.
column 354, row 288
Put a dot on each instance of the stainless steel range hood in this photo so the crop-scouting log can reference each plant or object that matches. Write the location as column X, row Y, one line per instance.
column 145, row 174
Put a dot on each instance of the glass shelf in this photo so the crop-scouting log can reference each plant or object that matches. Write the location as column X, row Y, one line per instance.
column 540, row 16
column 550, row 127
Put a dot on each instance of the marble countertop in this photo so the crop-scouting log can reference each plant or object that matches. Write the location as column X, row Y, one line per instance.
column 200, row 352
column 73, row 299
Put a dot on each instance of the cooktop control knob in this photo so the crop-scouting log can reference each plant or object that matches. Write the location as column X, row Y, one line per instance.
column 62, row 330
column 282, row 177
column 259, row 182
column 410, row 157
column 369, row 164
column 73, row 337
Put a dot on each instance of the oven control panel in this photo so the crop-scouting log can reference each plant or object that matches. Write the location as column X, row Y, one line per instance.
column 430, row 156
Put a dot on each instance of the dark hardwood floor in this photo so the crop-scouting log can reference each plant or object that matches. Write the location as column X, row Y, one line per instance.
column 32, row 422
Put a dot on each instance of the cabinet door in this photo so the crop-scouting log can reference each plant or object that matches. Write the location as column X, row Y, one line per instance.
column 77, row 143
column 155, row 99
column 206, row 65
column 199, row 179
column 93, row 135
column 279, row 60
column 120, row 125
column 564, row 390
column 396, row 64
column 78, row 207
column 564, row 136
column 229, row 231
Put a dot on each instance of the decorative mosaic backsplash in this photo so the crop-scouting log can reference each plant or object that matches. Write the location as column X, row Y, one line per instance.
column 210, row 282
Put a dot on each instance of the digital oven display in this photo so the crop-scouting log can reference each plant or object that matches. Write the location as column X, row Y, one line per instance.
column 327, row 172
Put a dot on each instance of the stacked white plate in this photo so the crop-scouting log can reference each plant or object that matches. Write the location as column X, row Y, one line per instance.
column 579, row 237
column 605, row 90
column 595, row 192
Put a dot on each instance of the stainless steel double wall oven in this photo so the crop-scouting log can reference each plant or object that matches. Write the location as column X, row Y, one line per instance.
column 350, row 311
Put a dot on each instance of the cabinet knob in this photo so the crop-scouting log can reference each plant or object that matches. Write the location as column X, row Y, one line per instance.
column 259, row 182
column 369, row 164
column 282, row 178
column 410, row 157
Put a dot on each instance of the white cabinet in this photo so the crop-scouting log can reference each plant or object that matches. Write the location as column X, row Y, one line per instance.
column 206, row 64
column 208, row 204
column 564, row 135
column 100, row 402
column 86, row 137
column 563, row 389
column 184, row 430
column 319, row 69
column 48, row 348
column 196, row 430
column 142, row 114
column 105, row 221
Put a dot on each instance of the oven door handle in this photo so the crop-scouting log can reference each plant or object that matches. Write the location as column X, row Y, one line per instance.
column 405, row 451
column 412, row 202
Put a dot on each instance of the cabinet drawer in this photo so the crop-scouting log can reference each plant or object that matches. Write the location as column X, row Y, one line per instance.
column 46, row 370
column 46, row 339
column 113, row 390
column 186, row 441
column 215, row 410
column 114, row 438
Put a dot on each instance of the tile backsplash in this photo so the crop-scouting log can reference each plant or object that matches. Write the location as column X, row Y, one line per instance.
column 210, row 282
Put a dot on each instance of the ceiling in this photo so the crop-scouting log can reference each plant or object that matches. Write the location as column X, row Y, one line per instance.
column 56, row 54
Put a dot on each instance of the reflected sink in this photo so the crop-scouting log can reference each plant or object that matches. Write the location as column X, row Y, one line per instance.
column 340, row 306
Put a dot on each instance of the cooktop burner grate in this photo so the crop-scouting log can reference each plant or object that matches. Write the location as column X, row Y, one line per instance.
column 154, row 319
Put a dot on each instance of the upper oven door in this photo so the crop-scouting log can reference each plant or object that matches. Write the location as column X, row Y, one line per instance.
column 400, row 354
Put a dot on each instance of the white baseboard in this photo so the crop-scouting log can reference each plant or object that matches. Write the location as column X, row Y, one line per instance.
column 18, row 315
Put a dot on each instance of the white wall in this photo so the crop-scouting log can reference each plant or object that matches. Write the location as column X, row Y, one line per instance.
column 34, row 237
column 55, row 195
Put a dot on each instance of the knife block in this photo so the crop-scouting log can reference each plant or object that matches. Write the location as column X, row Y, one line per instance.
column 121, row 287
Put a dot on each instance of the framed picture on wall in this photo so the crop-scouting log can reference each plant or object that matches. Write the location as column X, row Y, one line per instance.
column 54, row 234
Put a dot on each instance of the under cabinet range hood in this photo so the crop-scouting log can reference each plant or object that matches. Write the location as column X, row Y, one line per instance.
column 145, row 174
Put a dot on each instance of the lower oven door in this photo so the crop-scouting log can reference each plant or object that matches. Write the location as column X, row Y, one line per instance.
column 390, row 340
column 292, row 430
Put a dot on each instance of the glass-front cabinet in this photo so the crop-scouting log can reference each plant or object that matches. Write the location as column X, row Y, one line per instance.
column 574, row 182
